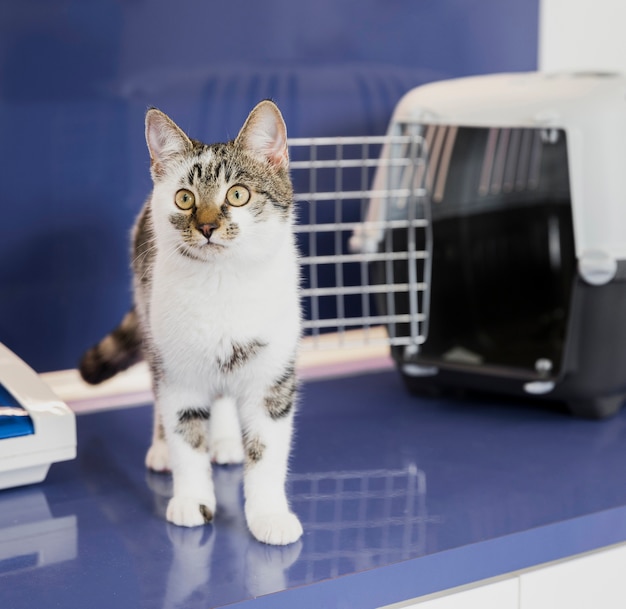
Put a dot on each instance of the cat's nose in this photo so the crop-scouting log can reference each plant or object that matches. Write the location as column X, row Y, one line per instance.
column 207, row 229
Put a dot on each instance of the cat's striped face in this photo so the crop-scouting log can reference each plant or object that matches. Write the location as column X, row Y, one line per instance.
column 231, row 198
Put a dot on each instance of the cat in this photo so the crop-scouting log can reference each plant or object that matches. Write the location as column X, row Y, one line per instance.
column 217, row 317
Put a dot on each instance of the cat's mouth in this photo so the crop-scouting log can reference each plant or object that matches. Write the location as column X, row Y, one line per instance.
column 208, row 242
column 200, row 251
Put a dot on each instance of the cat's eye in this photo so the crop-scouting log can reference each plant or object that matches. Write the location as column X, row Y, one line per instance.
column 185, row 199
column 237, row 196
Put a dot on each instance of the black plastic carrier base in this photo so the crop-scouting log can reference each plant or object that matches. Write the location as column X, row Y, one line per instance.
column 506, row 309
column 534, row 331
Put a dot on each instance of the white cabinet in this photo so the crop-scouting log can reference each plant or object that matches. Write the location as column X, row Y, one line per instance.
column 496, row 595
column 594, row 581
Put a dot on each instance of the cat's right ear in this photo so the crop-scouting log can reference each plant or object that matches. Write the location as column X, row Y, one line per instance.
column 165, row 140
column 264, row 135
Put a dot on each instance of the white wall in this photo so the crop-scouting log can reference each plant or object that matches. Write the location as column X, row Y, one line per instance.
column 582, row 35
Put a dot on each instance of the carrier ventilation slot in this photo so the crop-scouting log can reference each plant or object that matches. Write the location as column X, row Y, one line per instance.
column 439, row 141
column 512, row 161
column 355, row 196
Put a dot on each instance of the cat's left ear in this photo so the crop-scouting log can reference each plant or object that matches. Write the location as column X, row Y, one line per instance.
column 165, row 140
column 264, row 135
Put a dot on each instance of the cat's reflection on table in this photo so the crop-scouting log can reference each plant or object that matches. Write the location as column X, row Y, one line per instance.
column 223, row 551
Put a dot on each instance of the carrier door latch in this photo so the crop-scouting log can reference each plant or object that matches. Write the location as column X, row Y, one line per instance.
column 597, row 267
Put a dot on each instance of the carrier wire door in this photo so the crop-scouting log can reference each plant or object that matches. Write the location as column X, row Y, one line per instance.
column 355, row 197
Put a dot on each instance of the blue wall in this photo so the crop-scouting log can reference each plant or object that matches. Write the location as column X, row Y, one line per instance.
column 77, row 75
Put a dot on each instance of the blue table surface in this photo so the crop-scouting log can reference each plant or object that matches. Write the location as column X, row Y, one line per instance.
column 399, row 496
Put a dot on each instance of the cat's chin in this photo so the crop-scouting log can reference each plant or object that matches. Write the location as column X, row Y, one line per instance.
column 203, row 252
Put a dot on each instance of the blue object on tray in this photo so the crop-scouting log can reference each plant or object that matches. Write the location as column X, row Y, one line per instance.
column 14, row 420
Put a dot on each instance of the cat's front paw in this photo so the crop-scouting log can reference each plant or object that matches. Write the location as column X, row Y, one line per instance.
column 190, row 511
column 275, row 528
column 227, row 451
column 158, row 457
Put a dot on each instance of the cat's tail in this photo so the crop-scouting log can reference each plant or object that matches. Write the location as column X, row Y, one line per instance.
column 117, row 351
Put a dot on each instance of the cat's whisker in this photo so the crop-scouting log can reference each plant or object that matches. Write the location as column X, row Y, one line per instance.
column 139, row 260
column 172, row 253
column 144, row 253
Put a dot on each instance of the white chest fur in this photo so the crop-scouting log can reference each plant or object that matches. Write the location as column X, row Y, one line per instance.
column 199, row 310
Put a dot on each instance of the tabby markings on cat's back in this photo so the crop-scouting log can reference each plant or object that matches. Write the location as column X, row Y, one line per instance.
column 193, row 414
column 240, row 354
column 254, row 449
column 191, row 427
column 280, row 398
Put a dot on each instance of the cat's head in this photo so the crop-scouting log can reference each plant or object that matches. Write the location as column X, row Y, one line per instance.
column 232, row 199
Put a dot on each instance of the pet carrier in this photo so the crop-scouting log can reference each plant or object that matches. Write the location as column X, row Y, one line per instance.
column 492, row 245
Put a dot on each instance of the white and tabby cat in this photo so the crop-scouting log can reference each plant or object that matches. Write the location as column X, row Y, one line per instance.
column 217, row 317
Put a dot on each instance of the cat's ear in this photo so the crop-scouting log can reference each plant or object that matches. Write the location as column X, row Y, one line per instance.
column 264, row 135
column 165, row 139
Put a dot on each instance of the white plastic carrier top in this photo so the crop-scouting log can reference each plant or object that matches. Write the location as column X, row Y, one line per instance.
column 589, row 107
